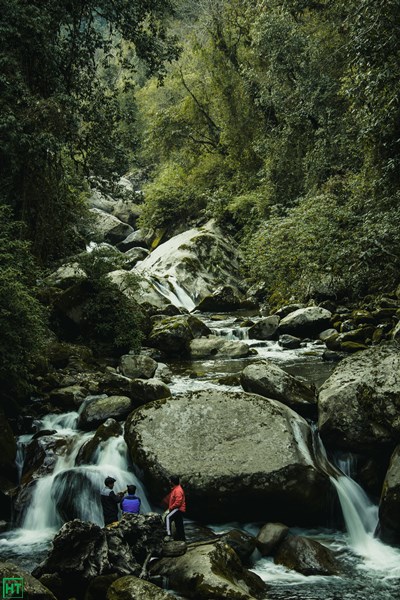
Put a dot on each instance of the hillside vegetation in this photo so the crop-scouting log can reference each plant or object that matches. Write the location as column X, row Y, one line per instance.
column 278, row 118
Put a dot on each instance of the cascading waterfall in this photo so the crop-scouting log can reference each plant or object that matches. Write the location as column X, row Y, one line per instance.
column 72, row 491
column 360, row 516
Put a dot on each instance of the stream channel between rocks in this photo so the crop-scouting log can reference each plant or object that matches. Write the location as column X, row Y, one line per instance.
column 372, row 569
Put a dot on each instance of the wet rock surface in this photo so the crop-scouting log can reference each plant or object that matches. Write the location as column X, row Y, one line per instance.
column 270, row 463
column 210, row 571
column 360, row 402
column 269, row 380
column 306, row 556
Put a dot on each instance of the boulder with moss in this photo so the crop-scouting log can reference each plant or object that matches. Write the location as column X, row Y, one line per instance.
column 270, row 472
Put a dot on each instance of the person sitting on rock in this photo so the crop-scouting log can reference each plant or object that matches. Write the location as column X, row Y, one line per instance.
column 176, row 509
column 110, row 501
column 131, row 503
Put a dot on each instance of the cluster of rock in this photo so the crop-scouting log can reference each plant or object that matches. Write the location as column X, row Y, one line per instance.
column 133, row 560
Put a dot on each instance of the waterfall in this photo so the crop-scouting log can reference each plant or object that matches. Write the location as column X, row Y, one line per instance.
column 173, row 292
column 72, row 491
column 360, row 515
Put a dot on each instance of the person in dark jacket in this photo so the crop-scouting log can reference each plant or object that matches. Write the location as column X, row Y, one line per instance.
column 176, row 509
column 130, row 503
column 110, row 501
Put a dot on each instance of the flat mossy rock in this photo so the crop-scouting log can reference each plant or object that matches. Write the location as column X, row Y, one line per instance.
column 359, row 403
column 270, row 470
column 306, row 556
column 210, row 571
column 133, row 588
column 100, row 409
column 215, row 346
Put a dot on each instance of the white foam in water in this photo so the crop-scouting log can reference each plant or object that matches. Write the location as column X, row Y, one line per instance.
column 361, row 518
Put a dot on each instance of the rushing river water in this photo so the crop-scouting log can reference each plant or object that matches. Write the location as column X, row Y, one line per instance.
column 371, row 570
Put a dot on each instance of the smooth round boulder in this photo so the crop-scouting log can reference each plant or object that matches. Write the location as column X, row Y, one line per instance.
column 147, row 390
column 306, row 556
column 137, row 367
column 289, row 342
column 305, row 322
column 269, row 380
column 100, row 409
column 389, row 507
column 359, row 403
column 240, row 456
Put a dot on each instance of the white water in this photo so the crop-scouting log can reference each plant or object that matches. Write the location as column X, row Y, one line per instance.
column 361, row 518
column 78, row 486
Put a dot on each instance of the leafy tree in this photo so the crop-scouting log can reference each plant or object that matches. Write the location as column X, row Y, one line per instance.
column 22, row 318
column 112, row 323
column 55, row 108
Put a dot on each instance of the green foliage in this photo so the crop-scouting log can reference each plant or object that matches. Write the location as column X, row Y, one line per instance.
column 281, row 119
column 22, row 318
column 112, row 321
column 59, row 107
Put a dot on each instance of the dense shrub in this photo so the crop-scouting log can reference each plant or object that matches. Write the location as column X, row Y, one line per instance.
column 112, row 321
column 22, row 318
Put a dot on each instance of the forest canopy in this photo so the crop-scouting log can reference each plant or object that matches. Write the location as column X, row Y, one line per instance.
column 278, row 118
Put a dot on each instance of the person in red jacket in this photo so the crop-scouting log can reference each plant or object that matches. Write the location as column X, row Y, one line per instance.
column 176, row 509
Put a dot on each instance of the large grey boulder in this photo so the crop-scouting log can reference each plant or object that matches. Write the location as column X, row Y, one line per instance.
column 305, row 322
column 240, row 456
column 306, row 556
column 31, row 588
column 269, row 380
column 389, row 507
column 214, row 346
column 185, row 269
column 359, row 403
column 210, row 571
column 110, row 228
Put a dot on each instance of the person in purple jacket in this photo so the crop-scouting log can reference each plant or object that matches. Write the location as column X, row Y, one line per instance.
column 130, row 503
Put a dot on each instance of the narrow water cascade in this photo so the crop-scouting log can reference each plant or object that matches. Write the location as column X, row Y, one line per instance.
column 360, row 514
column 173, row 292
